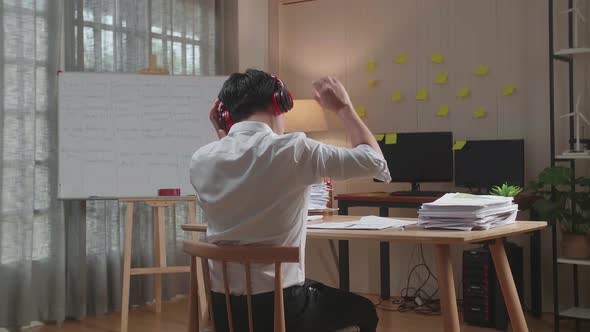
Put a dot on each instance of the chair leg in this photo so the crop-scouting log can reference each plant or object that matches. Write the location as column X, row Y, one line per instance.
column 193, row 307
column 126, row 267
column 202, row 296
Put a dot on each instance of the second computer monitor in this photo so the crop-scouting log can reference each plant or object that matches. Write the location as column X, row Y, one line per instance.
column 420, row 157
column 483, row 164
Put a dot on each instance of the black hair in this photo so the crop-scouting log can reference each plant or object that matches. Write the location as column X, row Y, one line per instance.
column 243, row 94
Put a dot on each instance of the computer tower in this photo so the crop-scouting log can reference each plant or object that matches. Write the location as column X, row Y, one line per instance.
column 483, row 302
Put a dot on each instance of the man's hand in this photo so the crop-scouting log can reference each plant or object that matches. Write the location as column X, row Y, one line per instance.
column 331, row 94
column 213, row 118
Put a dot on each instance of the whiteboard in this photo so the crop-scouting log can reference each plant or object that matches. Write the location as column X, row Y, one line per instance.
column 127, row 135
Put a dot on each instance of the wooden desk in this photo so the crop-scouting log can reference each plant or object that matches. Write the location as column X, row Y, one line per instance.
column 442, row 240
column 384, row 201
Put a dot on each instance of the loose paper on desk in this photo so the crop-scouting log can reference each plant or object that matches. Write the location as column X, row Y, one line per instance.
column 311, row 218
column 467, row 212
column 367, row 222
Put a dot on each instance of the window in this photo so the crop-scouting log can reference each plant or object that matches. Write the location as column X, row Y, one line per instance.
column 120, row 35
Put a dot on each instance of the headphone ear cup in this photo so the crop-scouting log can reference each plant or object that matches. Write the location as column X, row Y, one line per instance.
column 277, row 102
column 286, row 101
column 223, row 118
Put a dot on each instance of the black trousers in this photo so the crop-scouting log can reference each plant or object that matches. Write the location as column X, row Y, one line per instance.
column 313, row 307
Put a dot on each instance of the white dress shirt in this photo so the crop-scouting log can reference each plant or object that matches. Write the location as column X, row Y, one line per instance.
column 253, row 186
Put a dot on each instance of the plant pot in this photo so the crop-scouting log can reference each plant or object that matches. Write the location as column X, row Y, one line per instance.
column 575, row 245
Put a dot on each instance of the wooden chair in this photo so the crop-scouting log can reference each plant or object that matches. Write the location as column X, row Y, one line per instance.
column 245, row 255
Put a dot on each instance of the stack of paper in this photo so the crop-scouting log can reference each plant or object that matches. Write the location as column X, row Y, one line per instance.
column 319, row 196
column 466, row 212
column 367, row 222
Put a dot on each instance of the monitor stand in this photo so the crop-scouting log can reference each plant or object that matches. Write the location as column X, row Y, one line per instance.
column 416, row 192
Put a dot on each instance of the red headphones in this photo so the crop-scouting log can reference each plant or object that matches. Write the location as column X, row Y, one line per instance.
column 281, row 100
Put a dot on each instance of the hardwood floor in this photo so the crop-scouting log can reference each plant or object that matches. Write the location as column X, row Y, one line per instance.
column 174, row 319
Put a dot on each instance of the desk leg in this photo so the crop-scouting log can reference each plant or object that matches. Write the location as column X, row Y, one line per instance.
column 384, row 261
column 126, row 267
column 508, row 288
column 536, row 283
column 446, row 286
column 344, row 272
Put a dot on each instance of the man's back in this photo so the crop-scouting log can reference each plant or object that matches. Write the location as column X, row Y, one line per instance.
column 249, row 189
column 253, row 187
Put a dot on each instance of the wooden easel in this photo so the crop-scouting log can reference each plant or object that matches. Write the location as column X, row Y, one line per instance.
column 158, row 205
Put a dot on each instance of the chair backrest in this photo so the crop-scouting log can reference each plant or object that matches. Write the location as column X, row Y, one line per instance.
column 245, row 255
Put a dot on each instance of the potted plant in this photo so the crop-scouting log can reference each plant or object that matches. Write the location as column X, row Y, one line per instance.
column 506, row 190
column 557, row 201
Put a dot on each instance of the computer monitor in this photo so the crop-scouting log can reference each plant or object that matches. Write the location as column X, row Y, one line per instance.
column 420, row 157
column 484, row 164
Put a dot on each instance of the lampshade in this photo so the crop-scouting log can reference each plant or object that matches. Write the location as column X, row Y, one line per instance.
column 308, row 116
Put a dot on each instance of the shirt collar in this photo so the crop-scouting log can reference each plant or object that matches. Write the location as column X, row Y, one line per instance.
column 249, row 126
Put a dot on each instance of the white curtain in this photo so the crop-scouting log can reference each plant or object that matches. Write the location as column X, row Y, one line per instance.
column 32, row 260
column 63, row 260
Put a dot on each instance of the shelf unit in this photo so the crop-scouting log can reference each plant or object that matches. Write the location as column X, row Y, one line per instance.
column 576, row 313
column 566, row 157
column 573, row 261
column 568, row 56
column 573, row 51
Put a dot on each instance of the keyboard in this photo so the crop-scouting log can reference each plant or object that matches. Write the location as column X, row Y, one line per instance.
column 418, row 193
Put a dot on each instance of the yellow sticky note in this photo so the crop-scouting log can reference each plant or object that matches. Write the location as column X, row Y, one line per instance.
column 459, row 145
column 396, row 97
column 508, row 90
column 482, row 70
column 372, row 83
column 379, row 137
column 401, row 58
column 371, row 65
column 437, row 57
column 441, row 78
column 361, row 111
column 480, row 113
column 422, row 94
column 463, row 92
column 390, row 138
column 442, row 111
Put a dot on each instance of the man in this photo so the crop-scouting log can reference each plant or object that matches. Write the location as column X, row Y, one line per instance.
column 253, row 186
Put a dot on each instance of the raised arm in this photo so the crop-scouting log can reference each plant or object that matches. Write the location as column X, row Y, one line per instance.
column 332, row 96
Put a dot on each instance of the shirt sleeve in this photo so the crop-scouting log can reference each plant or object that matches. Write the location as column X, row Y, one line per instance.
column 318, row 160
